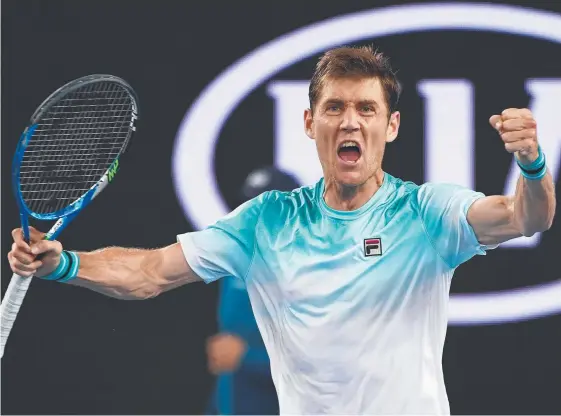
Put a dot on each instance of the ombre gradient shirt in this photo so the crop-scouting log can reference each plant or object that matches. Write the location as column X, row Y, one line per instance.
column 351, row 305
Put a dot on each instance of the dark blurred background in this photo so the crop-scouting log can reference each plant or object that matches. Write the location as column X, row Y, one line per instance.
column 77, row 352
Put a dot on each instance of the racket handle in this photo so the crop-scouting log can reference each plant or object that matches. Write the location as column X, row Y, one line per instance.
column 13, row 298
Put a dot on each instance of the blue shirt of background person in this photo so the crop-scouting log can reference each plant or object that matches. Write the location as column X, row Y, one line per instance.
column 237, row 354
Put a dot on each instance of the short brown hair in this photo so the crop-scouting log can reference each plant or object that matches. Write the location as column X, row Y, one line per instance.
column 361, row 61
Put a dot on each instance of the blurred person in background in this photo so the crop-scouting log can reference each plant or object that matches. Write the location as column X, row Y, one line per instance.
column 237, row 354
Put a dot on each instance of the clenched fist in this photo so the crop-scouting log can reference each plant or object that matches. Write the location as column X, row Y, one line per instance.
column 517, row 128
column 39, row 258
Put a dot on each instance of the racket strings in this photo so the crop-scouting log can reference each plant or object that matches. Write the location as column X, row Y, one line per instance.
column 74, row 144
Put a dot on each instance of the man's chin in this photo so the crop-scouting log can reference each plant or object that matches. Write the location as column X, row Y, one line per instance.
column 350, row 179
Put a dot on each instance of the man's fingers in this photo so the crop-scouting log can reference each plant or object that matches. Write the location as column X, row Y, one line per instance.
column 516, row 136
column 21, row 246
column 510, row 113
column 45, row 246
column 21, row 273
column 20, row 269
column 38, row 245
column 28, row 267
column 36, row 264
column 521, row 145
column 22, row 257
column 517, row 128
column 496, row 121
column 17, row 235
column 518, row 124
column 35, row 235
column 522, row 118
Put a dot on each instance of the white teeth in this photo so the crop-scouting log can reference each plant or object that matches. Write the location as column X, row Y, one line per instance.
column 349, row 144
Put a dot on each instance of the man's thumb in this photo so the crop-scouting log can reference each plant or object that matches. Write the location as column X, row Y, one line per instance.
column 44, row 246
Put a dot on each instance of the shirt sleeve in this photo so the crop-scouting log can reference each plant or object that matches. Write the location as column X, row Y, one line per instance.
column 225, row 248
column 443, row 209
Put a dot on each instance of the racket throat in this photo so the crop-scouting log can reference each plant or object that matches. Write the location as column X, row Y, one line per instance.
column 25, row 226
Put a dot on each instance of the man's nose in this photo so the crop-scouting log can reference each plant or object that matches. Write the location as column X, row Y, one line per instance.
column 350, row 120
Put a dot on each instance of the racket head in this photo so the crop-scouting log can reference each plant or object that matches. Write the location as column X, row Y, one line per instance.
column 70, row 150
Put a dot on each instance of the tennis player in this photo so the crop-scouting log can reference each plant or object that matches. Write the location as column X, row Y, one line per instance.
column 349, row 278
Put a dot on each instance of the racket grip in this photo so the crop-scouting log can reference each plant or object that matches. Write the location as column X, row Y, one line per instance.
column 13, row 298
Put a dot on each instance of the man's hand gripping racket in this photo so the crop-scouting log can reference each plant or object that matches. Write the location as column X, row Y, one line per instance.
column 65, row 157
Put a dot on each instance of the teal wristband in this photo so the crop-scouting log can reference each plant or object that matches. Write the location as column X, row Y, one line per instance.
column 536, row 175
column 535, row 170
column 72, row 269
column 61, row 269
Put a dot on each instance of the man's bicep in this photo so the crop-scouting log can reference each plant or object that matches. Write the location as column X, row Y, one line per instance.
column 175, row 271
column 492, row 219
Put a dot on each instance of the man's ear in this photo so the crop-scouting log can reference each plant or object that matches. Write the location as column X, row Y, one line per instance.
column 393, row 127
column 309, row 123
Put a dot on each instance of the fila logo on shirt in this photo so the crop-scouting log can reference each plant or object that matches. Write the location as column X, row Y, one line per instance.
column 372, row 247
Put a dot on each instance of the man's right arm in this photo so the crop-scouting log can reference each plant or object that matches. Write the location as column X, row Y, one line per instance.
column 117, row 272
column 131, row 274
column 225, row 248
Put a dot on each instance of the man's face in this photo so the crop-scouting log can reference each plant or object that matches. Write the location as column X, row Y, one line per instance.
column 351, row 127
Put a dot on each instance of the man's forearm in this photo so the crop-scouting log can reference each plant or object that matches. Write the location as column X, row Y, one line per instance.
column 121, row 273
column 534, row 204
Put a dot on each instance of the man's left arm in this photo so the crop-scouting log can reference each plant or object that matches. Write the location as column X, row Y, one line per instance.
column 496, row 219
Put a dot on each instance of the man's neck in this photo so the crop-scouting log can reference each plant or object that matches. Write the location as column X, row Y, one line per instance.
column 349, row 198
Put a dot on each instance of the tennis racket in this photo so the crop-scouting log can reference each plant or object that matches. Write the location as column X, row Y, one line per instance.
column 65, row 157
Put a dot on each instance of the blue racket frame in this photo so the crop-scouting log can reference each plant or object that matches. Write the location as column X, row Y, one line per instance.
column 64, row 216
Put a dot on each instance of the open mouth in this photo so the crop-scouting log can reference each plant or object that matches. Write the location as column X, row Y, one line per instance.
column 349, row 151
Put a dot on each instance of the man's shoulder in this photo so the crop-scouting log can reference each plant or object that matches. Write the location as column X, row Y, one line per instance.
column 444, row 191
column 296, row 195
column 281, row 211
column 403, row 193
column 401, row 185
column 403, row 188
column 399, row 190
column 299, row 198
